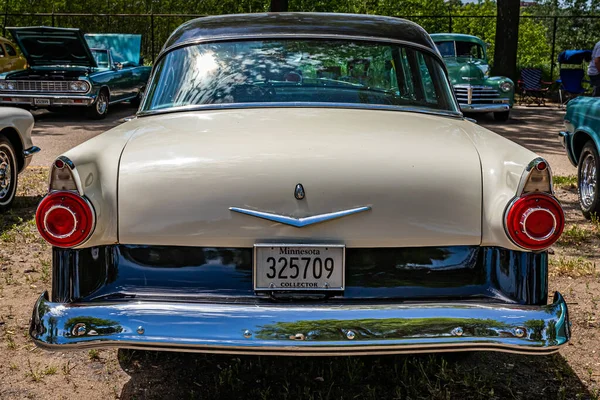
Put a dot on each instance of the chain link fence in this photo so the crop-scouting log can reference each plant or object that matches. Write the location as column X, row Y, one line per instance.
column 556, row 33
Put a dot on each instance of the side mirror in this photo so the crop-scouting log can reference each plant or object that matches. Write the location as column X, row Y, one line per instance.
column 117, row 66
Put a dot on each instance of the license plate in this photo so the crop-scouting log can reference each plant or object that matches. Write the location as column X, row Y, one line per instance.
column 298, row 267
column 41, row 102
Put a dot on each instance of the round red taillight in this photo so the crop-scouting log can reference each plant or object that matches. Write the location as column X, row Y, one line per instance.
column 535, row 221
column 65, row 219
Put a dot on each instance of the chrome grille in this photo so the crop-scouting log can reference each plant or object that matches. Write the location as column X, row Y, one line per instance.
column 43, row 86
column 479, row 94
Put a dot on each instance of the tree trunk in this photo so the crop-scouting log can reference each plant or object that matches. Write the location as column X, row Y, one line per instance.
column 279, row 5
column 507, row 38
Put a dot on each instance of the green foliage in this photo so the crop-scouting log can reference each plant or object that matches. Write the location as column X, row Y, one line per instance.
column 474, row 18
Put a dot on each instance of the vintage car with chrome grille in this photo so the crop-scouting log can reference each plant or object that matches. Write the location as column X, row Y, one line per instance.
column 16, row 151
column 300, row 184
column 476, row 91
column 581, row 140
column 68, row 69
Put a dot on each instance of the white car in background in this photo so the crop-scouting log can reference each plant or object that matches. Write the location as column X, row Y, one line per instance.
column 300, row 184
column 16, row 150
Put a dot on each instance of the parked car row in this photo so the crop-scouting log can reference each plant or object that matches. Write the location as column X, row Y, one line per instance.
column 326, row 195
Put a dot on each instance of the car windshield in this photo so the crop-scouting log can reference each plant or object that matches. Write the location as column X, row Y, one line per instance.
column 462, row 49
column 297, row 72
column 101, row 57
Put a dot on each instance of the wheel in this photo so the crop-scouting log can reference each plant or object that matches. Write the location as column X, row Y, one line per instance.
column 99, row 109
column 587, row 180
column 135, row 102
column 8, row 174
column 501, row 116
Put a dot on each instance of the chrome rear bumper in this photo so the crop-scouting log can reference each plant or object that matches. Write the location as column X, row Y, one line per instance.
column 303, row 330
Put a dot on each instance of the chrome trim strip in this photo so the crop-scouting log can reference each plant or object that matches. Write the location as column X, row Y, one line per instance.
column 389, row 328
column 30, row 151
column 74, row 175
column 531, row 169
column 524, row 223
column 121, row 100
column 299, row 222
column 72, row 215
column 201, row 107
column 501, row 107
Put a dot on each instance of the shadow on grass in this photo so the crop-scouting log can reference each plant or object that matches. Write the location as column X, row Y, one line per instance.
column 22, row 211
column 482, row 375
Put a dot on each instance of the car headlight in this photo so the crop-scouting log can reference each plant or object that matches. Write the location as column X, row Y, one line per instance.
column 506, row 86
column 79, row 86
column 10, row 85
column 2, row 85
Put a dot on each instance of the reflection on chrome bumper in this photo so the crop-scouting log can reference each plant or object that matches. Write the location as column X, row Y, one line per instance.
column 285, row 329
column 54, row 99
column 483, row 108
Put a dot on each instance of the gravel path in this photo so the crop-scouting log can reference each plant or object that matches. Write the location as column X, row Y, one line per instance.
column 533, row 127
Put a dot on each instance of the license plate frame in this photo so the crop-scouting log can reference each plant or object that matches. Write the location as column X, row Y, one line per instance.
column 263, row 285
column 41, row 102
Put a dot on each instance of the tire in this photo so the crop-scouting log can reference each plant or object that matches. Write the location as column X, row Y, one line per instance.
column 502, row 116
column 588, row 168
column 9, row 174
column 99, row 109
column 137, row 100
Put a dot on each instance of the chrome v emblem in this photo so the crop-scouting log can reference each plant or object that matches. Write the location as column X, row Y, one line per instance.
column 300, row 222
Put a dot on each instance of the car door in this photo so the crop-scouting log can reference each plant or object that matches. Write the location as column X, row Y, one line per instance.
column 4, row 60
column 11, row 56
column 128, row 80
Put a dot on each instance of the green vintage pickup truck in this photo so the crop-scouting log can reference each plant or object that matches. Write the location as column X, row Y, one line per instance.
column 477, row 92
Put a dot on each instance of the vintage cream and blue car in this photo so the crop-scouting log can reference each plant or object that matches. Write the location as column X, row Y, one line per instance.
column 477, row 92
column 581, row 140
column 67, row 69
column 300, row 184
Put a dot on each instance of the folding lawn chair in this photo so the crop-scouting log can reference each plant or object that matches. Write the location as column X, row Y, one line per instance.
column 533, row 89
column 571, row 79
column 570, row 84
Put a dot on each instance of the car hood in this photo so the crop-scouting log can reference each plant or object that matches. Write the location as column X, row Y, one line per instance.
column 417, row 178
column 43, row 45
column 465, row 70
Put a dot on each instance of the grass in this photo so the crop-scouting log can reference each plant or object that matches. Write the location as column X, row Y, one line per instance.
column 573, row 267
column 575, row 235
column 565, row 182
column 449, row 376
column 94, row 355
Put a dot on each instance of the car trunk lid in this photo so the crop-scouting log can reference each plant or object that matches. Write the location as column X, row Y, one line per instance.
column 418, row 175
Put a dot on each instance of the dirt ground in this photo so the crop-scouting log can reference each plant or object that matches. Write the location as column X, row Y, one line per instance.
column 29, row 372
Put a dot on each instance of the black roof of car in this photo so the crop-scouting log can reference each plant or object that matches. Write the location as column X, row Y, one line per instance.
column 327, row 25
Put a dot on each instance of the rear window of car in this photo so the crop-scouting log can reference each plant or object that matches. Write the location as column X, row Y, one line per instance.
column 299, row 72
column 10, row 50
